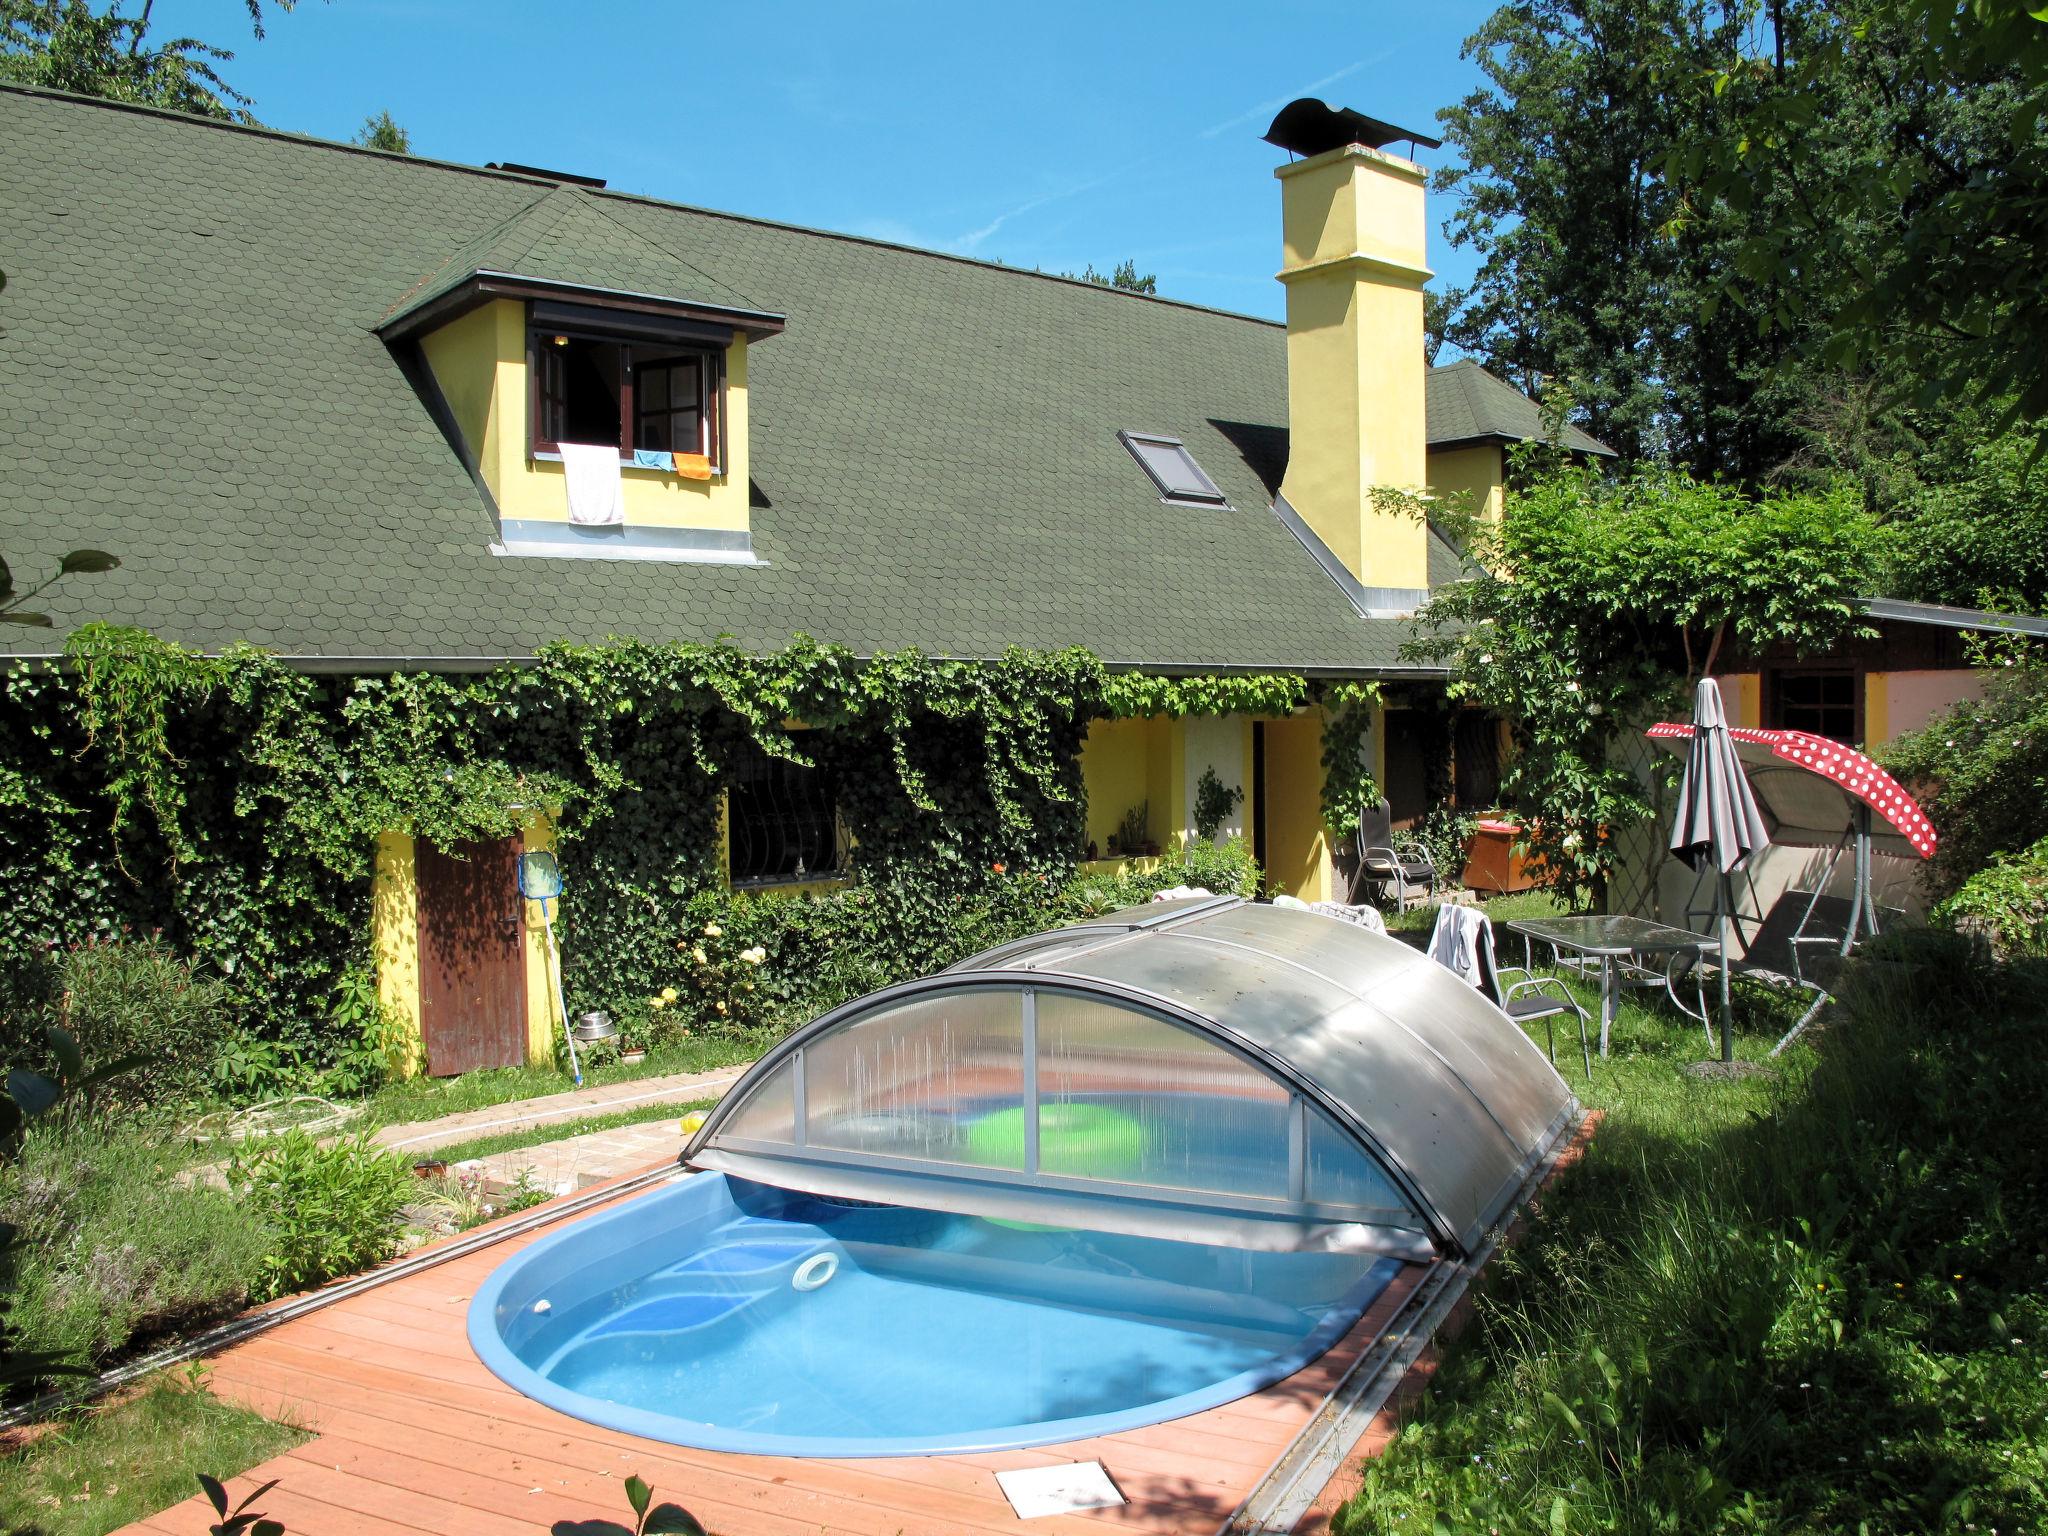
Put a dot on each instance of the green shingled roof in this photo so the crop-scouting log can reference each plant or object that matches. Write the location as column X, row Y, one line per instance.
column 1467, row 404
column 565, row 235
column 188, row 345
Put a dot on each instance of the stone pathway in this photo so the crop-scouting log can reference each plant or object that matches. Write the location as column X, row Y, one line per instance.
column 577, row 1162
column 423, row 1136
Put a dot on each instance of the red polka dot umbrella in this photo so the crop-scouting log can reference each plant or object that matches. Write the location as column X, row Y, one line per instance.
column 1809, row 788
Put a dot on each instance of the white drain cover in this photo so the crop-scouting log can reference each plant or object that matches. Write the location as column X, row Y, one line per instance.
column 1060, row 1490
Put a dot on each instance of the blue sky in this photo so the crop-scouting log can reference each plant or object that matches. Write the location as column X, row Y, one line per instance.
column 1049, row 135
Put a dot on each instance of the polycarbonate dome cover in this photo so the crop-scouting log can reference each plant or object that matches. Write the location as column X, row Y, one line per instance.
column 1245, row 1074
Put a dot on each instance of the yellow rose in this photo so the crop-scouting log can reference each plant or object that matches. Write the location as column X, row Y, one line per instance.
column 712, row 930
column 668, row 994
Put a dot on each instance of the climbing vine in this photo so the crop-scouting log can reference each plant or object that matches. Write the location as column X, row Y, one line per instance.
column 234, row 803
column 1348, row 782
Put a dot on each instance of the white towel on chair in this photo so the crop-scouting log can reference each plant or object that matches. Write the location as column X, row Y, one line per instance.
column 591, row 471
column 1455, row 941
column 1360, row 916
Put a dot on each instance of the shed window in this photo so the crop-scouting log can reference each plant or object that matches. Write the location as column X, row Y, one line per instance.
column 1173, row 469
column 639, row 395
column 1824, row 703
column 782, row 821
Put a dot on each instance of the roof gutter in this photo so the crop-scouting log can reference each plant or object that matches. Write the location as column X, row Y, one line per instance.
column 1942, row 616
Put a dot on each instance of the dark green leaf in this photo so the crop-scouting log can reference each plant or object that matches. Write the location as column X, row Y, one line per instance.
column 216, row 1495
column 638, row 1494
column 672, row 1520
column 33, row 620
column 31, row 1091
column 88, row 562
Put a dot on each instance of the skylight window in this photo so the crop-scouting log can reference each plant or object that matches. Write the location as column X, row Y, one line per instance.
column 1173, row 469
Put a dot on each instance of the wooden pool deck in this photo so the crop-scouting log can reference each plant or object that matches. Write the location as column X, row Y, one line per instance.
column 415, row 1435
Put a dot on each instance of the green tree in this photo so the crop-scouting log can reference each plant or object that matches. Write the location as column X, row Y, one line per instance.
column 381, row 131
column 1622, row 594
column 1583, row 275
column 69, row 46
column 1125, row 275
column 1902, row 149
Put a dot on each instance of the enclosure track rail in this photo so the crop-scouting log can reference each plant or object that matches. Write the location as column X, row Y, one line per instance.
column 1321, row 1446
column 238, row 1329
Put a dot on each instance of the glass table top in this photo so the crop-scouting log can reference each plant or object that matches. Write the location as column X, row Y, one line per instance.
column 1612, row 934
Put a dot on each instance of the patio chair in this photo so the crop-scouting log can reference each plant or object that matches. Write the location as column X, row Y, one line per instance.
column 1462, row 942
column 1390, row 862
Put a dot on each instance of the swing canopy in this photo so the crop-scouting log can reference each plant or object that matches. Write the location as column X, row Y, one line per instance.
column 1810, row 789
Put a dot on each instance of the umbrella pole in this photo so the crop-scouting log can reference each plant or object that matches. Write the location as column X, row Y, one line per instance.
column 1726, row 905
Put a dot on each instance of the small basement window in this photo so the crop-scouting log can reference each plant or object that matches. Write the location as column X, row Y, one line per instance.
column 1173, row 469
column 782, row 821
column 640, row 395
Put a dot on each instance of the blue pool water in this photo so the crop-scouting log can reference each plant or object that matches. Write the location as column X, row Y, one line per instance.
column 680, row 1316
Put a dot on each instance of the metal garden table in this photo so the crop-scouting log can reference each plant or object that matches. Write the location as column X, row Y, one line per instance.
column 1617, row 943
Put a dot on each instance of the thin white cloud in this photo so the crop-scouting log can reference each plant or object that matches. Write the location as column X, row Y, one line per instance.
column 974, row 238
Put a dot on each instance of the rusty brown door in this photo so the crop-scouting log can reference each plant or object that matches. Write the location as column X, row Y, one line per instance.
column 472, row 958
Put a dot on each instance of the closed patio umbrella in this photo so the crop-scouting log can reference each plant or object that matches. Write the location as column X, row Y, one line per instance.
column 1718, row 824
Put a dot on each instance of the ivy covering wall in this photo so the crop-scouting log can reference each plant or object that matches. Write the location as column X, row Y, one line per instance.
column 233, row 803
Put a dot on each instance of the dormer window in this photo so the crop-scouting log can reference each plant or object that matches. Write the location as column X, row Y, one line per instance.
column 645, row 396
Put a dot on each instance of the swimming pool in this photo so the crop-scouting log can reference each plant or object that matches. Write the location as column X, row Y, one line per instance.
column 735, row 1316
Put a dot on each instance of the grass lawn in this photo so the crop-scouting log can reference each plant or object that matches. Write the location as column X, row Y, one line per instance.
column 110, row 1467
column 559, row 1130
column 1812, row 1300
column 425, row 1098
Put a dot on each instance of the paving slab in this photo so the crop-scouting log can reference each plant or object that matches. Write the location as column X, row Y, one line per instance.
column 522, row 1114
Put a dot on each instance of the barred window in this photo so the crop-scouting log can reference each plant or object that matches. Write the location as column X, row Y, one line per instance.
column 782, row 821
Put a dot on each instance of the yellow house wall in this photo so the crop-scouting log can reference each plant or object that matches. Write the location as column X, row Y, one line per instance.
column 395, row 939
column 1478, row 472
column 1124, row 762
column 479, row 362
column 1353, row 229
column 1297, row 847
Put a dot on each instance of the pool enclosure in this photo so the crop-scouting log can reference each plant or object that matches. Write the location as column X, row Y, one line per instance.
column 1205, row 1070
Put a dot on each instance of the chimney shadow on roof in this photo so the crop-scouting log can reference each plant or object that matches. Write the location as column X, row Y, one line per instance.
column 756, row 497
column 1263, row 449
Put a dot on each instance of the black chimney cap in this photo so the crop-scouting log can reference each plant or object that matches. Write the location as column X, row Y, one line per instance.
column 1309, row 127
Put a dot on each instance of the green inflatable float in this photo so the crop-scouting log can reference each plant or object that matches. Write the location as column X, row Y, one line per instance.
column 1085, row 1140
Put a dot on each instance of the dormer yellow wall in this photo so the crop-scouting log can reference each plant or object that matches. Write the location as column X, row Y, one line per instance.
column 479, row 362
column 1477, row 471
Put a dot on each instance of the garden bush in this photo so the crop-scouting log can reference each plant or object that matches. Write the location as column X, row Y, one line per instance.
column 124, row 997
column 743, row 962
column 2006, row 903
column 1980, row 770
column 1816, row 1305
column 112, row 1245
column 325, row 1211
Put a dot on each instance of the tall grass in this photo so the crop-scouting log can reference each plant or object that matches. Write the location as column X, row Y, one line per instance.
column 1816, row 1302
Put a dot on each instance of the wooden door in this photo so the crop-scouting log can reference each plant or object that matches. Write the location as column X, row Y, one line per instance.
column 472, row 957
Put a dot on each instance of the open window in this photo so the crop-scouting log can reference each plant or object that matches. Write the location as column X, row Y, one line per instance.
column 594, row 382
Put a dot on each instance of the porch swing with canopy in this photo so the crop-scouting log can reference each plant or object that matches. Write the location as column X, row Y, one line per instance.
column 1815, row 792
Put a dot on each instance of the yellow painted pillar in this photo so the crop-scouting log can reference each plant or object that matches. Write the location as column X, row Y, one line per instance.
column 543, row 1018
column 395, row 939
column 1748, row 701
column 1877, row 724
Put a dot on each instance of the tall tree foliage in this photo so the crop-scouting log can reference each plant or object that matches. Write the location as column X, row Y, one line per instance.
column 1581, row 276
column 69, row 46
column 1902, row 146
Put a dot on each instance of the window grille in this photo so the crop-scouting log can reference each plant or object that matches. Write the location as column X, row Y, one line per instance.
column 782, row 821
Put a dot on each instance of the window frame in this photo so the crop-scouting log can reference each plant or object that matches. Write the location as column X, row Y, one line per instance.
column 711, row 360
column 1773, row 700
column 1213, row 497
column 829, row 802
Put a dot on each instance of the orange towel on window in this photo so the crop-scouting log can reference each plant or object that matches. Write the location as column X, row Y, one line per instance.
column 693, row 466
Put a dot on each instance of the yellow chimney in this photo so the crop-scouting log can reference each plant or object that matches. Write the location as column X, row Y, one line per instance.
column 1352, row 216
